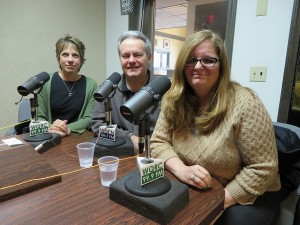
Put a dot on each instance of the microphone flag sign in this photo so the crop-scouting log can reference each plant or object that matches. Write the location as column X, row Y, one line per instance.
column 38, row 127
column 108, row 132
column 150, row 171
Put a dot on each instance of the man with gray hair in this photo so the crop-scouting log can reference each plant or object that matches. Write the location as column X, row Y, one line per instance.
column 135, row 55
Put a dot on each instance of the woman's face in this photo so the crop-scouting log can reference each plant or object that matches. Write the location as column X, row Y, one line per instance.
column 69, row 59
column 201, row 78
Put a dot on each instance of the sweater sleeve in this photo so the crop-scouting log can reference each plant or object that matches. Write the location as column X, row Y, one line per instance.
column 161, row 140
column 257, row 147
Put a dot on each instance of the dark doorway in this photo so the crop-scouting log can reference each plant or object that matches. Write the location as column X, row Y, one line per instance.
column 294, row 113
column 287, row 112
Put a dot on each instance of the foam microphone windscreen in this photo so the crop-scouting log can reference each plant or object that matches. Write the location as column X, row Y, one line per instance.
column 145, row 98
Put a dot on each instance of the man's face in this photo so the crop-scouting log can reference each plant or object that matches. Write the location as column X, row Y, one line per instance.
column 134, row 60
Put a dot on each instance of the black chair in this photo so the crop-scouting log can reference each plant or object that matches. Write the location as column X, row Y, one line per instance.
column 290, row 211
column 24, row 114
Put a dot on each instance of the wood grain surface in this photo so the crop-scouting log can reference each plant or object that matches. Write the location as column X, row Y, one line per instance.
column 81, row 199
column 22, row 163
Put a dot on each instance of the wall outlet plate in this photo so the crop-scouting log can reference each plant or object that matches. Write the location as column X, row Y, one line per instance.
column 258, row 74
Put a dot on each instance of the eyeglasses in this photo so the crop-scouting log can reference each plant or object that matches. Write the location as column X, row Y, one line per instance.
column 206, row 61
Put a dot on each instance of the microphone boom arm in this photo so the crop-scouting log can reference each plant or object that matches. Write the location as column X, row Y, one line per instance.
column 147, row 139
column 34, row 104
column 144, row 135
column 107, row 106
column 144, row 132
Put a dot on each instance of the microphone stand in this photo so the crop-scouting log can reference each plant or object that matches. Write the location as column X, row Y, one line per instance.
column 118, row 140
column 133, row 183
column 107, row 106
column 144, row 125
column 34, row 113
column 158, row 200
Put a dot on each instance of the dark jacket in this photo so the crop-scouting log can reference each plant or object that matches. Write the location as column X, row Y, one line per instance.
column 288, row 145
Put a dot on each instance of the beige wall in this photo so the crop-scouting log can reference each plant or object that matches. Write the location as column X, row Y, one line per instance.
column 28, row 32
column 30, row 28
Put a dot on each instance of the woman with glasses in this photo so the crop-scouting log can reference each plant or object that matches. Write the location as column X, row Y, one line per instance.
column 210, row 126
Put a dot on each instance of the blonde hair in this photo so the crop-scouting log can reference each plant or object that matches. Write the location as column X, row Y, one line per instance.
column 181, row 107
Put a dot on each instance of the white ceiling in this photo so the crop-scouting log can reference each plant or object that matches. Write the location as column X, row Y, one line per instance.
column 170, row 14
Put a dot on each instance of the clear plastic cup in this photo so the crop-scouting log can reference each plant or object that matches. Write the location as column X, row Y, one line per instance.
column 86, row 154
column 108, row 166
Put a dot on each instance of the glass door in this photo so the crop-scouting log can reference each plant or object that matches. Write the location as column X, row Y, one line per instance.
column 176, row 19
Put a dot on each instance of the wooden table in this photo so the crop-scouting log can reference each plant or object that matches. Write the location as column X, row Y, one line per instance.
column 81, row 199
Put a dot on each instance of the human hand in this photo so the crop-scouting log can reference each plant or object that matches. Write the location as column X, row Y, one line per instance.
column 195, row 175
column 60, row 127
column 62, row 134
column 229, row 201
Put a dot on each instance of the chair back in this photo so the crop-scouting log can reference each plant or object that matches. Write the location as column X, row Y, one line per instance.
column 288, row 126
column 24, row 113
column 290, row 211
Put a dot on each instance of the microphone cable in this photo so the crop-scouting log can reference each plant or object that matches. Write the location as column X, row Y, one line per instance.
column 60, row 174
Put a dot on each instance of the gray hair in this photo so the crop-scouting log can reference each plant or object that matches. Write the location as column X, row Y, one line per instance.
column 135, row 35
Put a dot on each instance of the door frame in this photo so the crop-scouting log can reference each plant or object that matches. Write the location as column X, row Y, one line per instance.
column 287, row 88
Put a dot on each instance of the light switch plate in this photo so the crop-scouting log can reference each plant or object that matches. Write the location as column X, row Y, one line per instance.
column 261, row 8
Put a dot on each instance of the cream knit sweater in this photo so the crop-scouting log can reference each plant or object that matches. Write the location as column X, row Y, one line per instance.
column 241, row 153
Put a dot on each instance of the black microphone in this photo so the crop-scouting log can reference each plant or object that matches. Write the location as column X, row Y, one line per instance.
column 107, row 87
column 33, row 83
column 145, row 98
